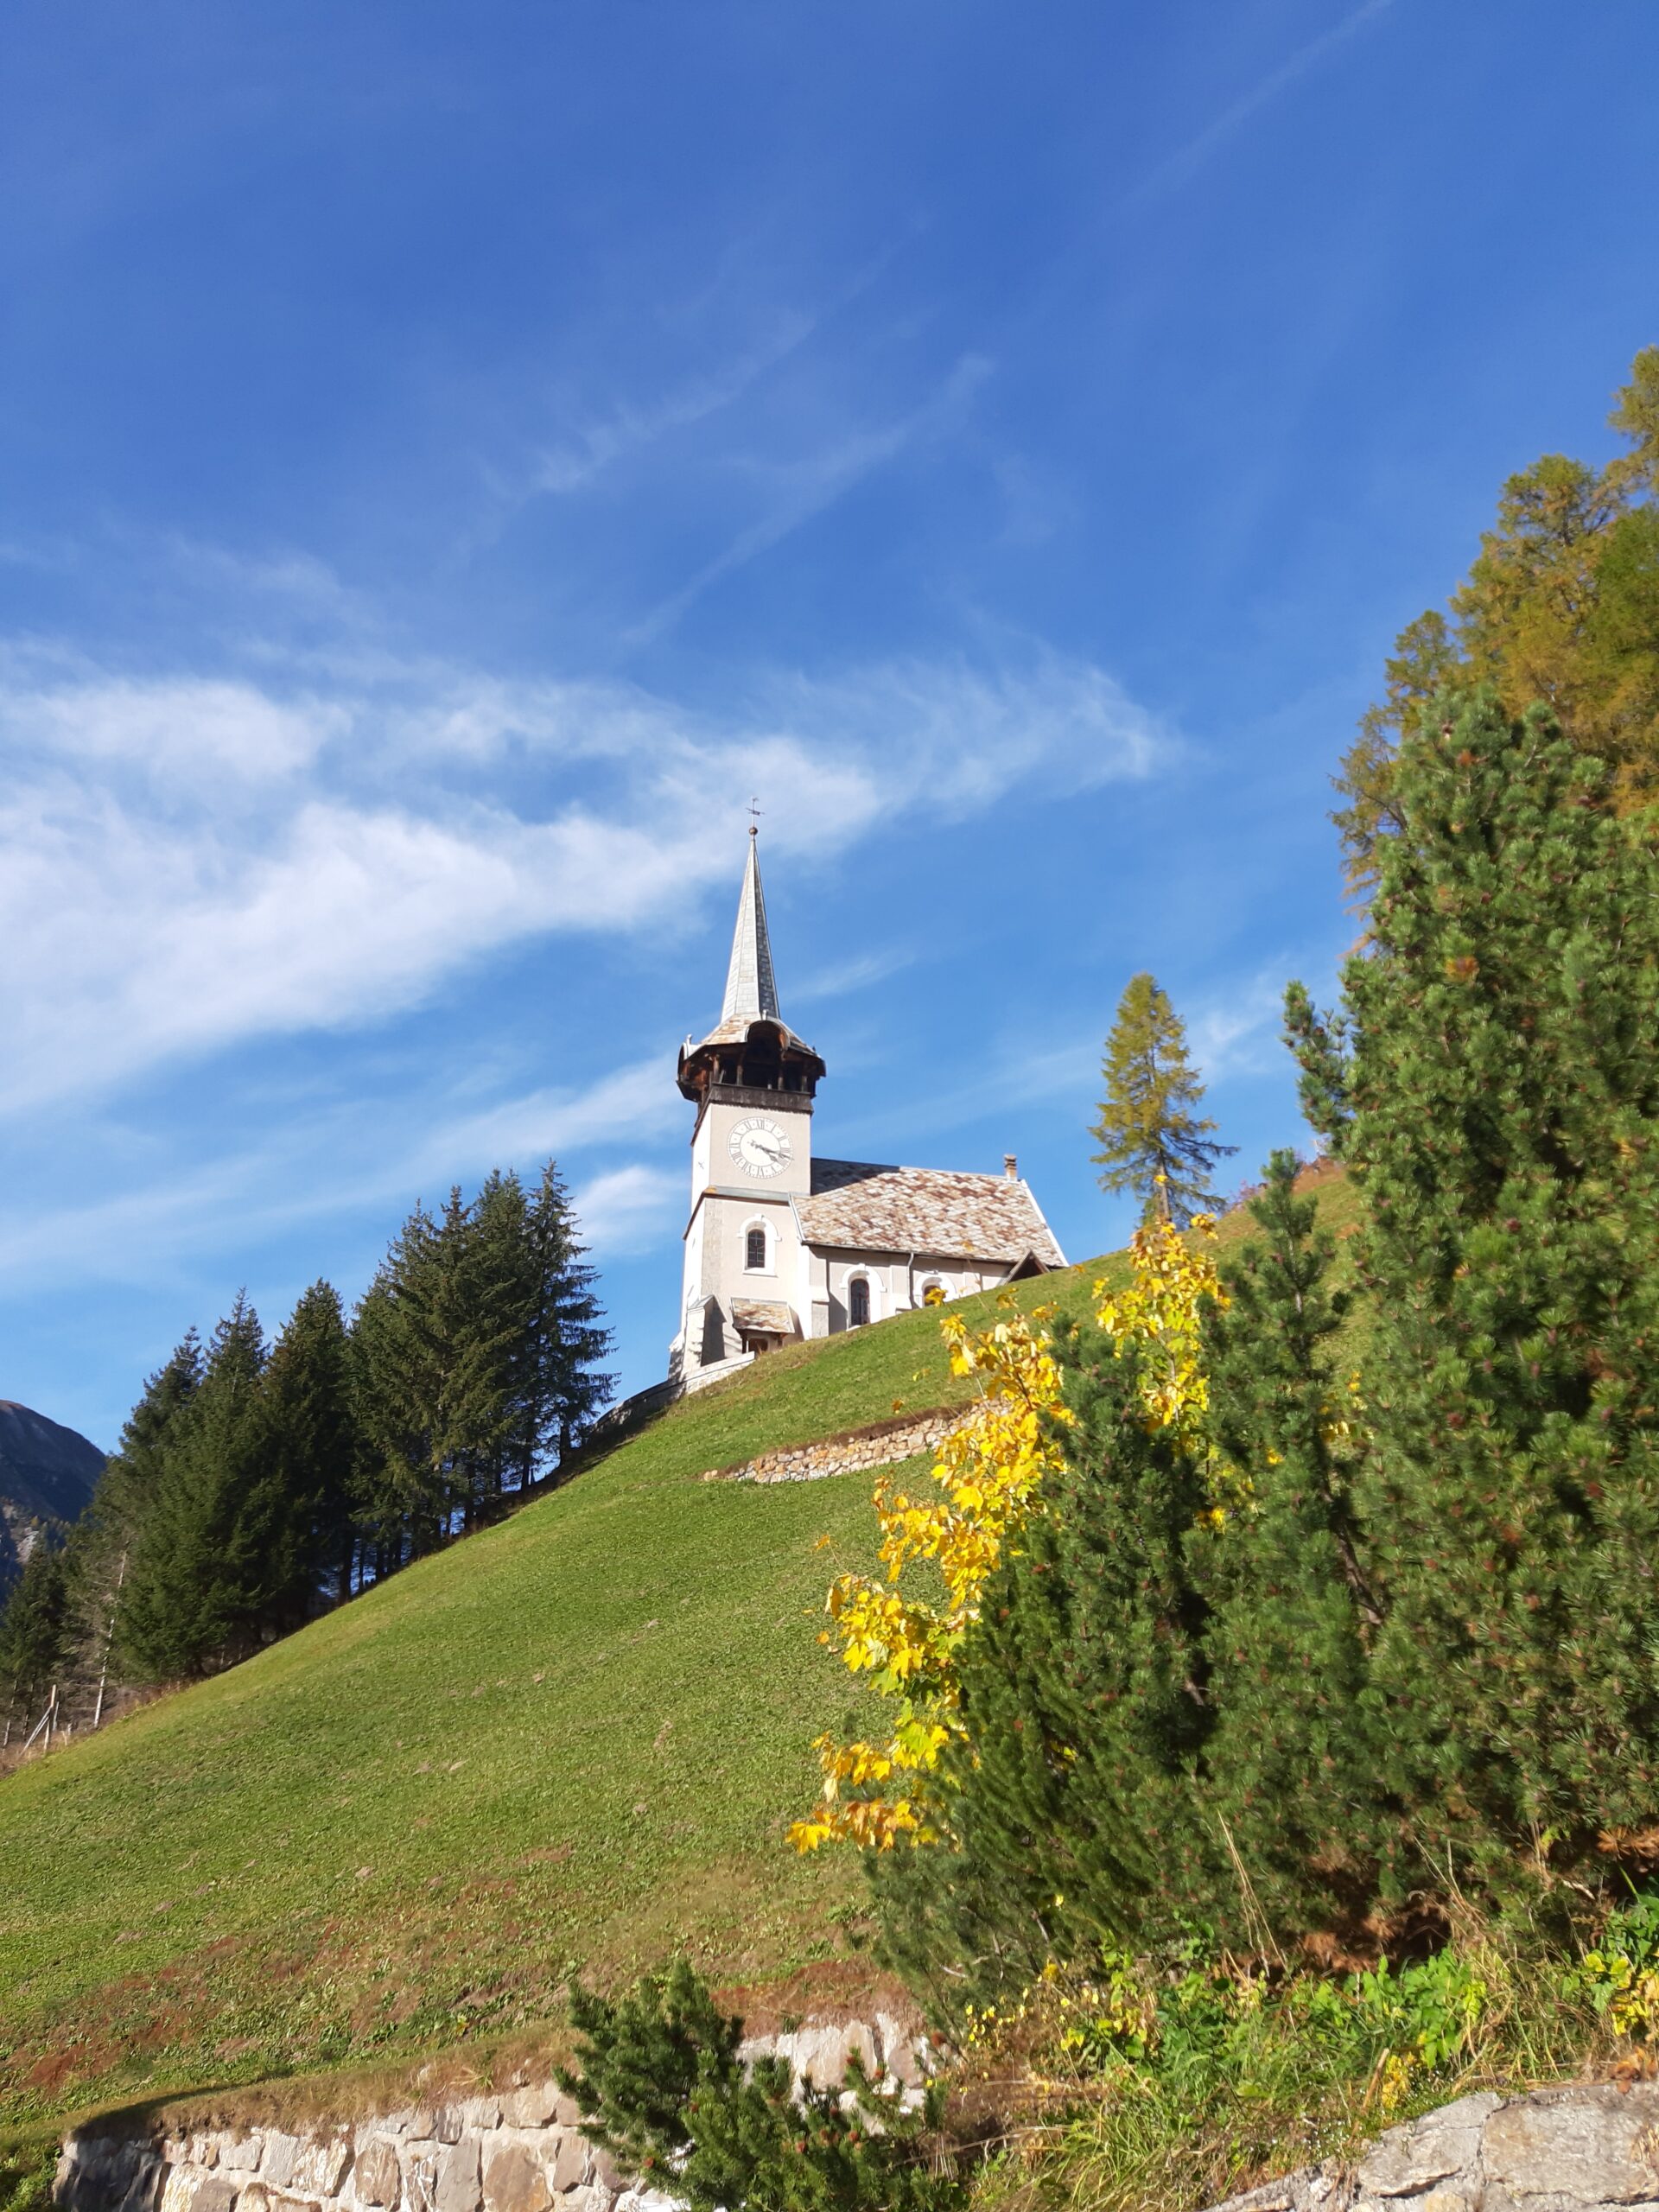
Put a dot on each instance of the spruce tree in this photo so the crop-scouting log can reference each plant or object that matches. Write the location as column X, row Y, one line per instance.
column 1504, row 1095
column 307, row 1395
column 102, row 1543
column 211, row 1567
column 1153, row 1141
column 35, row 1636
column 568, row 1337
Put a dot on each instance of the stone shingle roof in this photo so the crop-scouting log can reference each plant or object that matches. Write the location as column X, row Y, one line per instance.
column 857, row 1205
column 768, row 1313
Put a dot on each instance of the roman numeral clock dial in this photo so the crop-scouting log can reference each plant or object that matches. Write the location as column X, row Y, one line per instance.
column 759, row 1147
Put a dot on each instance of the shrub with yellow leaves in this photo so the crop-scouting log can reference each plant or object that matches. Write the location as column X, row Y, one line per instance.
column 989, row 1472
column 989, row 1475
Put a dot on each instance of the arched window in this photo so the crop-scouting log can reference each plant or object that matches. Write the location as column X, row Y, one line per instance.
column 858, row 1302
column 754, row 1245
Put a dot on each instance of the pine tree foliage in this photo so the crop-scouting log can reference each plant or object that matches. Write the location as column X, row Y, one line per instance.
column 1163, row 1700
column 307, row 1388
column 211, row 1558
column 102, row 1542
column 1081, row 1703
column 1504, row 1085
column 1285, row 1784
column 659, row 2071
column 1153, row 1141
column 36, row 1637
column 567, row 1334
column 1560, row 606
column 475, row 1352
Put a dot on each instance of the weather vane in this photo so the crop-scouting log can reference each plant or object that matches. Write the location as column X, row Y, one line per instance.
column 754, row 818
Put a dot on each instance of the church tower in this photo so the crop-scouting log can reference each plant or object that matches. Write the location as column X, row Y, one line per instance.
column 752, row 1080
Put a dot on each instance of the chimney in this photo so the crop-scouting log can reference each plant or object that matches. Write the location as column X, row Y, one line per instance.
column 1011, row 1167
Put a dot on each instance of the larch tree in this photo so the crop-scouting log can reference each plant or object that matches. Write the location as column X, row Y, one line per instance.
column 1560, row 606
column 1152, row 1141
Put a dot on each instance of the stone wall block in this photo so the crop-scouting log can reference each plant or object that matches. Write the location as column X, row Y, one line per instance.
column 282, row 2155
column 180, row 2188
column 1410, row 2160
column 421, row 2175
column 481, row 2112
column 306, row 2166
column 459, row 2186
column 570, row 2160
column 604, row 2171
column 378, row 2176
column 515, row 2180
column 216, row 2193
column 531, row 2107
column 1574, row 2147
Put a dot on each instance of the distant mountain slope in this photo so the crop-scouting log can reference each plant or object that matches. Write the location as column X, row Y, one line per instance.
column 47, row 1473
column 572, row 1741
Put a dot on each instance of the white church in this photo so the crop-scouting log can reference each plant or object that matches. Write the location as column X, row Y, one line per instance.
column 781, row 1243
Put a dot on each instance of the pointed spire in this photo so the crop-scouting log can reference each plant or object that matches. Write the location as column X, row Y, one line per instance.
column 751, row 987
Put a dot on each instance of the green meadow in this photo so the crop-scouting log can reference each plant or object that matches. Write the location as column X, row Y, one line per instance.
column 570, row 1743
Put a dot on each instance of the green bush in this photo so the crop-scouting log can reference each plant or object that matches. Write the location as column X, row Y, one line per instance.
column 659, row 2073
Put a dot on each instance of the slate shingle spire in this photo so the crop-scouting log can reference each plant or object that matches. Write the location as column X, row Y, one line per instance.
column 751, row 987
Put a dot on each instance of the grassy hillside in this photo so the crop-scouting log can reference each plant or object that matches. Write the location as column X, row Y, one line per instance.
column 574, row 1739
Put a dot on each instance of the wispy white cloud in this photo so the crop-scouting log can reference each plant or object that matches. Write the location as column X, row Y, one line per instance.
column 1239, row 1033
column 317, row 837
column 272, row 1185
column 797, row 490
column 631, row 1209
column 594, row 446
column 848, row 975
column 1176, row 168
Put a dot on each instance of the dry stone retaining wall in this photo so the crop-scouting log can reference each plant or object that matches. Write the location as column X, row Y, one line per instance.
column 518, row 2150
column 859, row 1451
column 1583, row 2147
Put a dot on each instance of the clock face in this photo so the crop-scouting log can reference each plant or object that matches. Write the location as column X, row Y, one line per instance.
column 759, row 1147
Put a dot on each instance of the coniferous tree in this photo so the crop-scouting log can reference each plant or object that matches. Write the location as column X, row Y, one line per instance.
column 1504, row 1095
column 1284, row 1790
column 211, row 1564
column 568, row 1333
column 1082, row 1703
column 1561, row 606
column 101, row 1545
column 307, row 1395
column 397, row 1386
column 1153, row 1141
column 1163, row 1698
column 35, row 1636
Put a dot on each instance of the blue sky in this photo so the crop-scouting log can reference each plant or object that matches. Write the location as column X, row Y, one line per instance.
column 451, row 457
